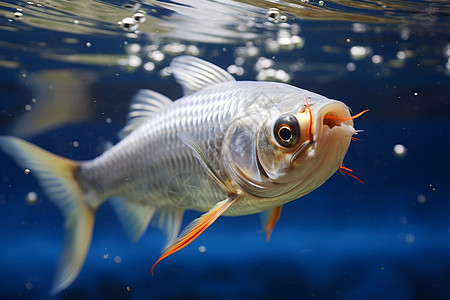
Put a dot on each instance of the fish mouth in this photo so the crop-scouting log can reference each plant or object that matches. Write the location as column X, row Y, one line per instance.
column 333, row 117
column 329, row 119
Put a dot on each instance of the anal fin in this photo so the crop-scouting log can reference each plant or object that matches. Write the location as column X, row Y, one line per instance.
column 196, row 227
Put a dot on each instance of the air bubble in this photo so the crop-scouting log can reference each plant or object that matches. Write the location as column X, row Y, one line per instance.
column 447, row 50
column 421, row 198
column 201, row 249
column 410, row 238
column 27, row 171
column 401, row 55
column 31, row 198
column 134, row 61
column 263, row 63
column 273, row 14
column 18, row 15
column 400, row 151
column 351, row 67
column 359, row 52
column 117, row 259
column 359, row 27
column 129, row 24
column 233, row 69
column 156, row 55
column 174, row 48
column 192, row 50
column 140, row 16
column 377, row 59
column 321, row 3
column 149, row 66
column 133, row 48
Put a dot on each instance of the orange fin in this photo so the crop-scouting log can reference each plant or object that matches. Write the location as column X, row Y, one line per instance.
column 196, row 227
column 271, row 220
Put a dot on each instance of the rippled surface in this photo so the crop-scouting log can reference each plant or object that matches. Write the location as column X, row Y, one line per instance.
column 175, row 27
column 68, row 70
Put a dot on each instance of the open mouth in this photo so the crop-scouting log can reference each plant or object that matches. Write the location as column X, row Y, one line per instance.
column 330, row 116
column 331, row 120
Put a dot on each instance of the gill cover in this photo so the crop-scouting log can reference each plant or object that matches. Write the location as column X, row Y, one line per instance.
column 240, row 151
column 256, row 161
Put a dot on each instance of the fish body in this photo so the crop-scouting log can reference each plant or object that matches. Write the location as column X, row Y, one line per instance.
column 224, row 148
column 142, row 166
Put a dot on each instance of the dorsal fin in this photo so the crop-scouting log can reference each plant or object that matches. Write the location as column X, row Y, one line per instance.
column 195, row 74
column 144, row 105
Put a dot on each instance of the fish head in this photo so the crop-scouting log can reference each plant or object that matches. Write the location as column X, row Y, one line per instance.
column 290, row 148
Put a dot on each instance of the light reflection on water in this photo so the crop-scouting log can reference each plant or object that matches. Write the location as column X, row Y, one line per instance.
column 211, row 22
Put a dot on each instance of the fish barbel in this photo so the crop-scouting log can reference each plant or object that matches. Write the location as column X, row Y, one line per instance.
column 224, row 148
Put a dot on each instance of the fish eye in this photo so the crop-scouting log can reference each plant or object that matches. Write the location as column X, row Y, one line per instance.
column 286, row 131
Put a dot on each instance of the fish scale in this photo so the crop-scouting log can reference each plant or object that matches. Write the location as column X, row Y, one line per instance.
column 140, row 156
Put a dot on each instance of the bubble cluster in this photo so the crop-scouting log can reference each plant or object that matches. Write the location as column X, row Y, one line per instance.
column 128, row 24
column 273, row 75
column 149, row 56
column 131, row 24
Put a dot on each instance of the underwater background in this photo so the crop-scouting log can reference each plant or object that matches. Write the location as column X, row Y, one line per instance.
column 69, row 69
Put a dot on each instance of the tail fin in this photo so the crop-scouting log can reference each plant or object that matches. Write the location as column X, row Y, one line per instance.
column 57, row 176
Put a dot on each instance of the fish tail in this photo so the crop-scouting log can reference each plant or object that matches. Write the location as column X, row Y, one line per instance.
column 58, row 177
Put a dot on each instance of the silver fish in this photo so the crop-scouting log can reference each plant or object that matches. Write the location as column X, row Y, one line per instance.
column 224, row 148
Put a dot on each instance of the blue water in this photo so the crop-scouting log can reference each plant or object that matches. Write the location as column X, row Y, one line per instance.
column 388, row 238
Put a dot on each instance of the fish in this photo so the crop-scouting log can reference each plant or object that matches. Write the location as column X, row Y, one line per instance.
column 225, row 148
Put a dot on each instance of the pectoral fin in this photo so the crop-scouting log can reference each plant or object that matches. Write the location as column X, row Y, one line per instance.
column 270, row 219
column 203, row 158
column 196, row 227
